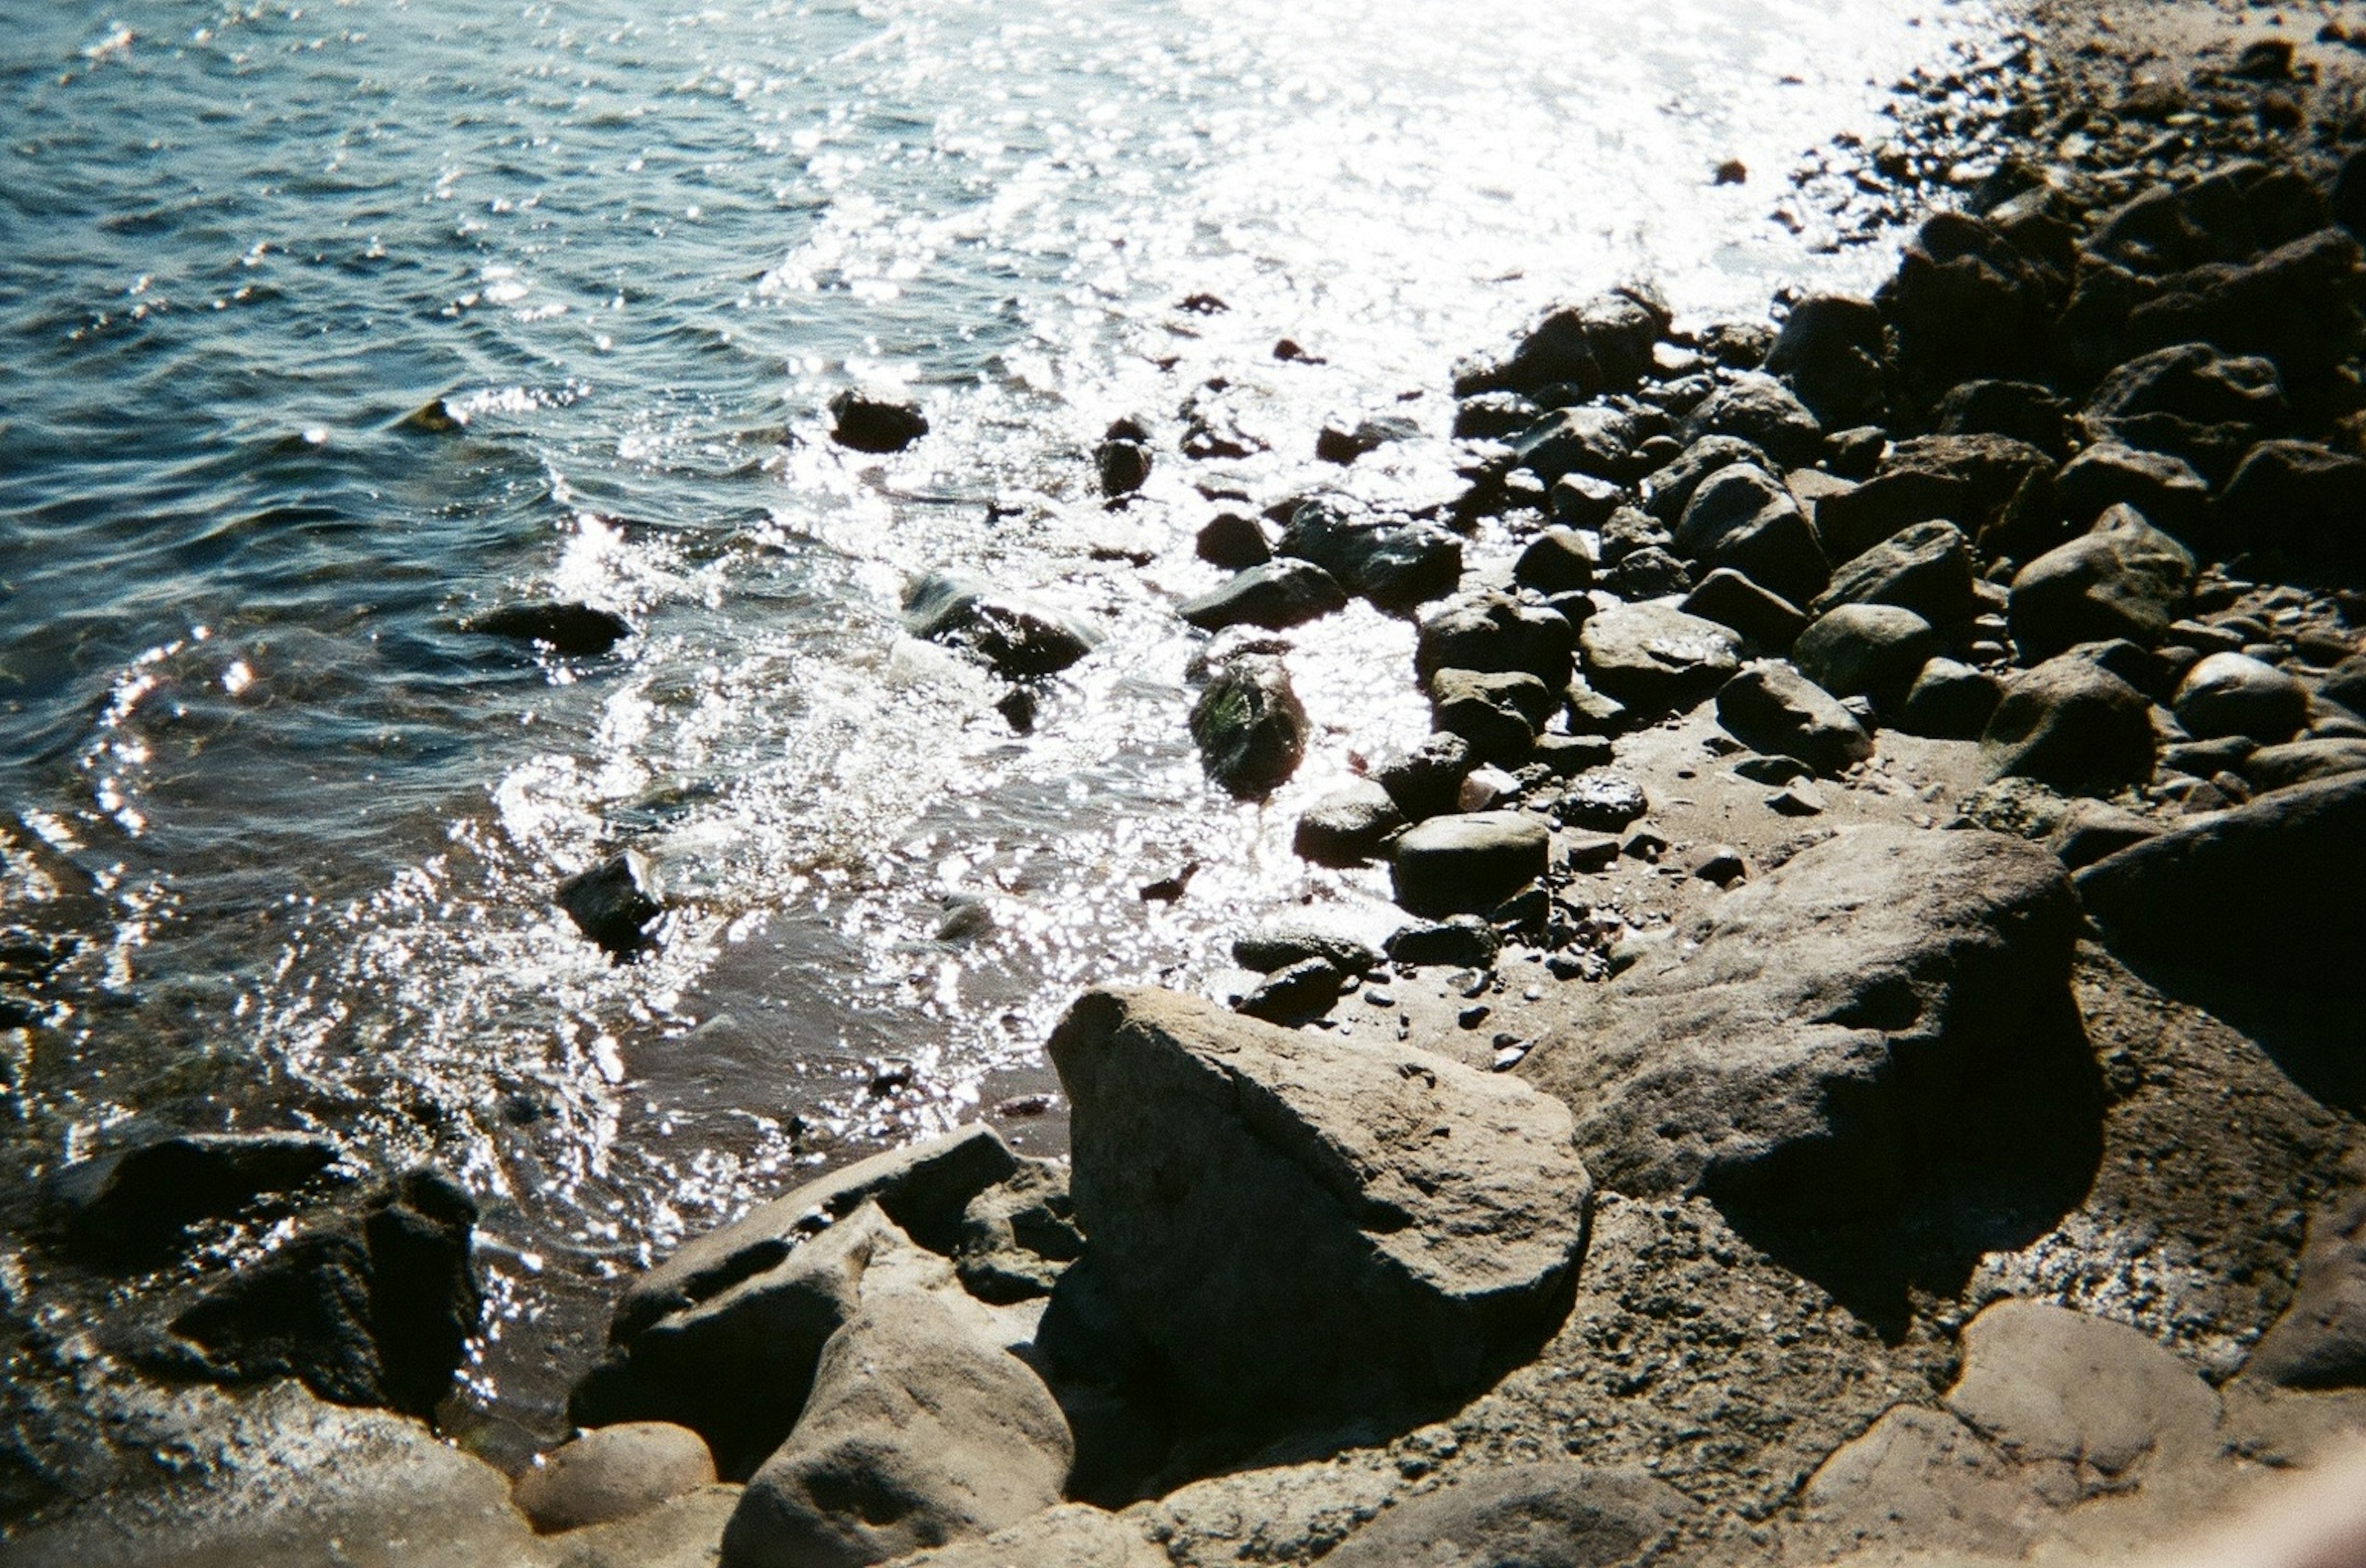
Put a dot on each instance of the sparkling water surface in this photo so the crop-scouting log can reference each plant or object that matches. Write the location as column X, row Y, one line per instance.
column 303, row 826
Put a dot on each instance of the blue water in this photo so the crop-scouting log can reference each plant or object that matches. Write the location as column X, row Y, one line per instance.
column 302, row 825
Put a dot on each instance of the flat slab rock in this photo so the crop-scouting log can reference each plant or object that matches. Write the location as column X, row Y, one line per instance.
column 1884, row 1019
column 1308, row 1228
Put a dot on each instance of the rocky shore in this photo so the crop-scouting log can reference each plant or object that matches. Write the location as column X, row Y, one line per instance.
column 1864, row 1072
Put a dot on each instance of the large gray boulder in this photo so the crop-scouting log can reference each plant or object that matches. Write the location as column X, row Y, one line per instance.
column 1880, row 1033
column 1310, row 1229
column 1655, row 658
column 2266, row 894
column 921, row 1428
column 1558, row 1514
column 2124, row 578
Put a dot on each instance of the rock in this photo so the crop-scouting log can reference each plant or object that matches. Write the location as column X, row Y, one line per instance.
column 1394, row 563
column 681, row 1532
column 1233, row 542
column 1926, row 567
column 1021, row 637
column 1019, row 1236
column 2295, row 305
column 1593, row 714
column 1427, row 781
column 1727, row 597
column 1799, row 799
column 1742, row 518
column 1873, row 650
column 1559, row 1514
column 2346, row 684
column 1949, row 701
column 1278, row 595
column 2020, row 410
column 1646, row 573
column 1465, row 864
column 1558, row 560
column 1667, row 493
column 2070, row 724
column 1973, row 481
column 2124, row 578
column 1919, row 1478
column 2320, row 1340
column 1582, row 501
column 1493, row 633
column 2053, row 1387
column 1600, row 802
column 2302, row 761
column 1249, row 725
column 137, row 1203
column 1499, row 715
column 2165, row 490
column 1343, row 443
column 614, row 902
column 2258, row 895
column 2191, row 401
column 1300, row 994
column 2093, row 829
column 1569, row 754
column 1458, row 941
column 1308, row 1229
column 372, row 1312
column 1349, row 826
column 1964, row 303
column 1601, row 346
column 1494, row 416
column 920, row 1429
column 1762, row 411
column 1830, row 350
column 1770, row 706
column 871, row 421
column 1627, row 531
column 1738, row 345
column 1877, row 1036
column 1278, row 947
column 2300, row 499
column 1589, row 440
column 1073, row 1535
column 613, row 1472
column 1656, row 658
column 1123, row 467
column 2232, row 694
column 571, row 630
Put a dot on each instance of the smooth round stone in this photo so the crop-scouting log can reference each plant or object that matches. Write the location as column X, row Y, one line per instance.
column 1454, row 865
column 613, row 1472
column 2233, row 694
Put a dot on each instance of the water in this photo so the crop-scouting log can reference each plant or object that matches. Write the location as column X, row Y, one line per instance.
column 299, row 826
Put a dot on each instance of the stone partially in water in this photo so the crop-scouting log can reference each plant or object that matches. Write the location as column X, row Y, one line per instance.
column 614, row 902
column 575, row 631
column 1250, row 726
column 1022, row 638
column 1277, row 596
column 874, row 421
column 139, row 1202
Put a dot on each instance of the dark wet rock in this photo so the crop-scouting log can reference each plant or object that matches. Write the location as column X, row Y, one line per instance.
column 1307, row 1229
column 1349, row 826
column 1856, row 453
column 1468, row 864
column 2192, row 402
column 1743, row 518
column 1877, row 1041
column 1926, row 567
column 1343, row 443
column 1298, row 994
column 1738, row 345
column 2164, row 489
column 2251, row 895
column 1271, row 948
column 1581, row 501
column 1558, row 1514
column 376, row 1311
column 2164, row 229
column 1396, row 563
column 2297, row 497
column 1762, row 411
column 1494, row 633
column 1600, row 802
column 1566, row 755
column 2297, row 306
column 1873, row 651
column 2021, row 410
column 871, row 421
column 571, row 630
column 2093, row 829
column 2231, row 693
column 1124, row 466
column 2302, row 761
column 1587, row 440
column 1460, row 942
column 1731, row 599
column 1973, row 481
column 137, row 1203
column 614, row 902
column 1427, row 781
column 1249, row 725
column 2124, row 578
column 1830, row 350
column 1604, row 344
column 1499, row 714
column 920, row 1429
column 1669, row 491
column 1949, row 701
column 2071, row 724
column 1656, row 658
column 1022, row 638
column 2320, row 1340
column 1964, row 303
column 1494, row 416
column 1558, row 560
column 1233, row 542
column 1770, row 706
column 1648, row 573
column 1278, row 595
column 613, row 1472
column 2345, row 683
column 723, row 1337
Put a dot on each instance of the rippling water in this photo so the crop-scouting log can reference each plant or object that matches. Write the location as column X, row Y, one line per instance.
column 304, row 825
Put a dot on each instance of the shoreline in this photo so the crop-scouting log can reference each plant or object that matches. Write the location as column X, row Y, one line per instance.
column 1739, row 1372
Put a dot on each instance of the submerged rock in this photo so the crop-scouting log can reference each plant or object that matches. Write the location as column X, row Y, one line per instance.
column 1022, row 638
column 614, row 902
column 137, row 1203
